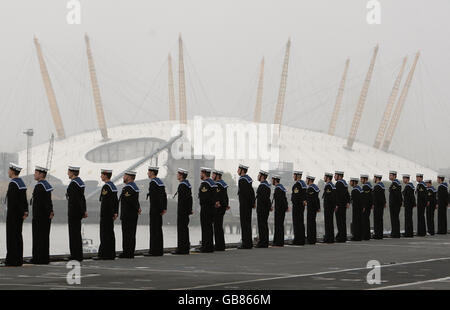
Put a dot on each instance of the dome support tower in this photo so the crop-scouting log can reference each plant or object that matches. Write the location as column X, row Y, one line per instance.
column 340, row 96
column 259, row 94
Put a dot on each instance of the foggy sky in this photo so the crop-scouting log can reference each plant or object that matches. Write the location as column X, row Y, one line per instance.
column 225, row 41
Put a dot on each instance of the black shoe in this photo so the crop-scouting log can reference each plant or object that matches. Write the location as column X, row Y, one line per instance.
column 103, row 258
column 125, row 256
column 261, row 246
column 241, row 247
column 219, row 249
column 152, row 254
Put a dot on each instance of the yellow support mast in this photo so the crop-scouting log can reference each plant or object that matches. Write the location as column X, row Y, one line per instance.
column 340, row 96
column 172, row 113
column 181, row 83
column 283, row 84
column 259, row 94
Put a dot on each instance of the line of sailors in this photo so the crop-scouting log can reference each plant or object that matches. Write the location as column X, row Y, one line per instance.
column 214, row 202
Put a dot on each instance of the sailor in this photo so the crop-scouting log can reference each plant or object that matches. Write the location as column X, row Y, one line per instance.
column 219, row 211
column 409, row 202
column 313, row 206
column 442, row 197
column 263, row 209
column 42, row 207
column 367, row 205
column 158, row 207
column 329, row 205
column 281, row 206
column 357, row 217
column 184, row 210
column 395, row 203
column 342, row 204
column 246, row 204
column 17, row 212
column 207, row 198
column 421, row 191
column 298, row 199
column 129, row 212
column 109, row 210
column 76, row 212
column 431, row 207
column 379, row 203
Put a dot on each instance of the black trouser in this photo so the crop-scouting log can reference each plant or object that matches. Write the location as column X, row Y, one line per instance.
column 430, row 219
column 206, row 222
column 298, row 221
column 245, row 215
column 14, row 241
column 107, row 247
column 278, row 236
column 328, row 219
column 409, row 227
column 262, row 215
column 378, row 211
column 75, row 239
column 357, row 223
column 341, row 223
column 183, row 243
column 442, row 219
column 311, row 213
column 394, row 212
column 421, row 226
column 41, row 240
column 156, row 233
column 366, row 222
column 219, row 234
column 129, row 226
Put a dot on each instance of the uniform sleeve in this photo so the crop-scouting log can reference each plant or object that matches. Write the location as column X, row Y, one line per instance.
column 163, row 198
column 23, row 200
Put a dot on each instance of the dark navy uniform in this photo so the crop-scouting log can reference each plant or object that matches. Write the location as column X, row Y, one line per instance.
column 219, row 212
column 17, row 206
column 313, row 206
column 329, row 204
column 442, row 194
column 129, row 213
column 342, row 199
column 109, row 205
column 184, row 210
column 367, row 203
column 246, row 203
column 421, row 191
column 263, row 206
column 431, row 207
column 298, row 211
column 379, row 202
column 42, row 207
column 281, row 206
column 357, row 211
column 158, row 204
column 395, row 203
column 409, row 202
column 76, row 211
column 207, row 198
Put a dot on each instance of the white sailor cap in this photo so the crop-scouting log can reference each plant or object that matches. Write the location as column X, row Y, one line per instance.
column 328, row 174
column 131, row 172
column 106, row 170
column 365, row 176
column 406, row 176
column 263, row 172
column 243, row 166
column 419, row 175
column 153, row 168
column 182, row 171
column 298, row 172
column 354, row 179
column 276, row 177
column 393, row 172
column 378, row 176
column 15, row 167
column 310, row 177
column 339, row 172
column 41, row 169
column 205, row 169
column 218, row 172
column 74, row 168
column 428, row 181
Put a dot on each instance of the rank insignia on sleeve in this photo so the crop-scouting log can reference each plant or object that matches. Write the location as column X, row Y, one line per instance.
column 296, row 190
column 217, row 190
column 104, row 192
column 127, row 194
column 204, row 189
